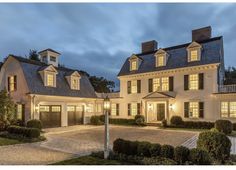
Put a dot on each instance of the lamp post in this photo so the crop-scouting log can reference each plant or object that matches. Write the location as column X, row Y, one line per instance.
column 106, row 107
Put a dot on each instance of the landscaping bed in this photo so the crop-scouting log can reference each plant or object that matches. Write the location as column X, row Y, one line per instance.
column 7, row 141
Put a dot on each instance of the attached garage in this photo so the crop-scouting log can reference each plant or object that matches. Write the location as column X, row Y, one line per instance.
column 50, row 116
column 75, row 115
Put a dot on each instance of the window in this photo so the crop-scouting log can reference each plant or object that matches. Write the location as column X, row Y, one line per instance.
column 12, row 83
column 160, row 60
column 156, row 84
column 75, row 84
column 56, row 108
column 224, row 109
column 193, row 82
column 99, row 108
column 232, row 107
column 44, row 59
column 54, row 59
column 113, row 109
column 165, row 83
column 161, row 84
column 193, row 109
column 19, row 112
column 133, row 65
column 134, row 109
column 70, row 108
column 50, row 80
column 134, row 86
column 89, row 108
column 44, row 108
column 193, row 55
column 79, row 108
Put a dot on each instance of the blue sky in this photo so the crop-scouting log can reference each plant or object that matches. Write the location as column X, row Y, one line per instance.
column 98, row 38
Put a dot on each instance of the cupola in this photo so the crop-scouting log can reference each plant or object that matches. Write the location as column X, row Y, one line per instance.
column 49, row 56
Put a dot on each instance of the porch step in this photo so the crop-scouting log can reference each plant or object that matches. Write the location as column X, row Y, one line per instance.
column 154, row 124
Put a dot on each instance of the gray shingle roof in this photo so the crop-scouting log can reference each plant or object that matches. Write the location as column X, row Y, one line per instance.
column 178, row 57
column 36, row 86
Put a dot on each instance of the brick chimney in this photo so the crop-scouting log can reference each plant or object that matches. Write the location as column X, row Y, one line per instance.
column 201, row 34
column 149, row 46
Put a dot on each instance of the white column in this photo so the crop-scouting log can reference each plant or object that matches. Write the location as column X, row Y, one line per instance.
column 64, row 115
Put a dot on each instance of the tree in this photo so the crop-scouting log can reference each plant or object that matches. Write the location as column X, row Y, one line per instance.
column 33, row 55
column 230, row 75
column 101, row 85
column 7, row 107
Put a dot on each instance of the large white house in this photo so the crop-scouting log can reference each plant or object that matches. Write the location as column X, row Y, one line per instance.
column 185, row 80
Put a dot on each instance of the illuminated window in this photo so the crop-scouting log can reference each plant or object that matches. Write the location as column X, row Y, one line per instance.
column 50, row 80
column 90, row 108
column 113, row 109
column 156, row 84
column 99, row 108
column 134, row 109
column 165, row 83
column 56, row 108
column 79, row 108
column 193, row 82
column 224, row 109
column 193, row 55
column 134, row 86
column 19, row 111
column 194, row 109
column 44, row 108
column 75, row 84
column 232, row 107
column 133, row 65
column 70, row 108
column 12, row 83
column 160, row 60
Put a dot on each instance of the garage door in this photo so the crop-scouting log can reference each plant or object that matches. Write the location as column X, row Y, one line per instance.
column 75, row 115
column 50, row 116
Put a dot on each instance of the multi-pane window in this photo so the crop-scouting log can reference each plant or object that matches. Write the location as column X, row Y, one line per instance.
column 156, row 84
column 232, row 107
column 44, row 108
column 19, row 111
column 133, row 65
column 52, row 58
column 228, row 109
column 56, row 108
column 89, row 108
column 160, row 60
column 193, row 55
column 50, row 80
column 99, row 108
column 113, row 109
column 194, row 109
column 134, row 109
column 165, row 83
column 161, row 84
column 75, row 84
column 134, row 86
column 193, row 82
column 11, row 83
column 224, row 109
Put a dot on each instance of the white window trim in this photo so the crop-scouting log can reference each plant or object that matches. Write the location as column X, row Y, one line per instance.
column 189, row 82
column 198, row 110
column 134, row 86
column 131, row 64
column 161, row 84
column 46, row 79
column 228, row 110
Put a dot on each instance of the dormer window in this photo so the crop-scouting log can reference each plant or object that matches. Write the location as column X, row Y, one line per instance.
column 48, row 75
column 161, row 58
column 75, row 83
column 50, row 79
column 135, row 62
column 73, row 79
column 194, row 52
column 133, row 65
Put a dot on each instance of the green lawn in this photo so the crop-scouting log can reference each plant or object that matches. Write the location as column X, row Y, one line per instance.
column 88, row 160
column 6, row 141
column 186, row 129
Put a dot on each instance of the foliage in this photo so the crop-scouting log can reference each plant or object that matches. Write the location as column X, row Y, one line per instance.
column 234, row 126
column 139, row 120
column 6, row 141
column 7, row 108
column 143, row 149
column 25, row 132
column 164, row 123
column 155, row 149
column 224, row 126
column 101, row 85
column 102, row 118
column 33, row 55
column 34, row 123
column 157, row 161
column 181, row 154
column 198, row 124
column 95, row 120
column 214, row 130
column 230, row 75
column 167, row 151
column 122, row 121
column 216, row 144
column 199, row 157
column 17, row 122
column 176, row 120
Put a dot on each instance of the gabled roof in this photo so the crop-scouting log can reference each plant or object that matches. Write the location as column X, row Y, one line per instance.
column 48, row 68
column 157, row 95
column 49, row 49
column 36, row 86
column 178, row 57
column 72, row 73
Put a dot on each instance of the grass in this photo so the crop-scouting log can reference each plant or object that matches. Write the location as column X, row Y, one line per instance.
column 6, row 141
column 88, row 160
column 186, row 129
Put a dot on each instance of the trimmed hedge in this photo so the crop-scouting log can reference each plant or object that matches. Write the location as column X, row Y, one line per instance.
column 143, row 149
column 95, row 120
column 34, row 123
column 224, row 126
column 155, row 149
column 167, row 151
column 176, row 121
column 217, row 144
column 24, row 131
column 198, row 124
column 181, row 154
column 122, row 121
column 199, row 157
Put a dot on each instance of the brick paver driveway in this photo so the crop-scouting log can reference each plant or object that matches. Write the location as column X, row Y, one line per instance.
column 64, row 143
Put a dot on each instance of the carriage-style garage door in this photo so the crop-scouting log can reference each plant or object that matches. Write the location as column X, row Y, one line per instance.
column 75, row 115
column 50, row 116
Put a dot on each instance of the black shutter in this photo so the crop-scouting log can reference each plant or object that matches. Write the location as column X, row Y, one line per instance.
column 186, row 82
column 129, row 109
column 138, row 109
column 8, row 84
column 201, row 109
column 171, row 83
column 15, row 83
column 129, row 87
column 201, row 81
column 117, row 109
column 150, row 85
column 139, row 86
column 186, row 109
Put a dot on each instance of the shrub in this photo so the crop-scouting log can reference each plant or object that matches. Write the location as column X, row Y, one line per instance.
column 215, row 143
column 139, row 120
column 95, row 120
column 234, row 126
column 34, row 123
column 214, row 130
column 167, row 151
column 143, row 149
column 199, row 157
column 102, row 118
column 164, row 123
column 155, row 149
column 181, row 154
column 125, row 146
column 224, row 126
column 18, row 122
column 198, row 124
column 2, row 126
column 176, row 120
column 23, row 131
column 157, row 161
column 122, row 121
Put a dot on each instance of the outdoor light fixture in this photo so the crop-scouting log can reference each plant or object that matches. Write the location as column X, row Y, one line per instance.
column 106, row 107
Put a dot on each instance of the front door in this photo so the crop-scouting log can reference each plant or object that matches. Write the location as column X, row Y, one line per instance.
column 160, row 111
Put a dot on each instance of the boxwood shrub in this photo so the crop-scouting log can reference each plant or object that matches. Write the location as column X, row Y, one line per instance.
column 217, row 144
column 199, row 157
column 95, row 120
column 224, row 126
column 167, row 151
column 176, row 121
column 143, row 149
column 24, row 131
column 34, row 123
column 122, row 121
column 155, row 149
column 181, row 154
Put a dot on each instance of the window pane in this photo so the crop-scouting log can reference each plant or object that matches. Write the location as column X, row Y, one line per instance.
column 70, row 108
column 44, row 108
column 193, row 109
column 11, row 83
column 56, row 108
column 19, row 111
column 79, row 108
column 133, row 65
column 99, row 108
column 232, row 109
column 193, row 55
column 133, row 109
column 134, row 86
column 160, row 60
column 156, row 84
column 165, row 83
column 224, row 109
column 90, row 108
column 193, row 81
column 113, row 109
column 50, row 80
column 52, row 58
column 74, row 83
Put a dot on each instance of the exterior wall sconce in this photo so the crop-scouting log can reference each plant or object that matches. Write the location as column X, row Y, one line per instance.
column 172, row 107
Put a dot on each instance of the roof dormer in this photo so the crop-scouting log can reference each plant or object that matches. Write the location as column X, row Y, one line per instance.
column 194, row 52
column 73, row 79
column 161, row 58
column 49, row 56
column 48, row 75
column 134, row 62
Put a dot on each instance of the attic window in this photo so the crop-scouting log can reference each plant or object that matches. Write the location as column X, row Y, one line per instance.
column 50, row 79
column 160, row 60
column 194, row 55
column 194, row 52
column 133, row 65
column 161, row 57
column 75, row 83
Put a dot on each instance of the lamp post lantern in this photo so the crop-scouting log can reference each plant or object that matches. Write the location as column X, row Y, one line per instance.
column 106, row 107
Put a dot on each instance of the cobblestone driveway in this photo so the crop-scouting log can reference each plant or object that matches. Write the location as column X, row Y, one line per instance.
column 64, row 143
